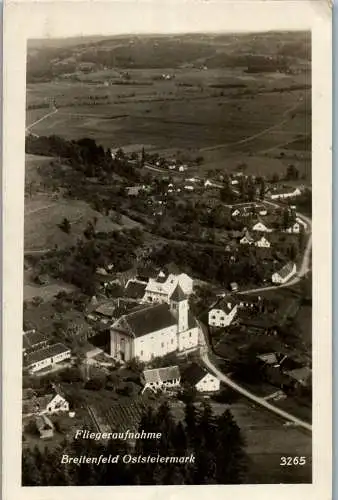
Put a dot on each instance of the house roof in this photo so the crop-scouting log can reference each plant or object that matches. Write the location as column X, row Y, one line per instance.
column 163, row 374
column 46, row 352
column 148, row 320
column 135, row 289
column 269, row 358
column 178, row 294
column 43, row 423
column 194, row 373
column 286, row 270
column 33, row 338
column 300, row 374
column 106, row 309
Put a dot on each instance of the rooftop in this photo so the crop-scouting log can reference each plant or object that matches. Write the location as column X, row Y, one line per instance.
column 286, row 270
column 33, row 338
column 46, row 352
column 161, row 374
column 178, row 294
column 194, row 373
column 135, row 289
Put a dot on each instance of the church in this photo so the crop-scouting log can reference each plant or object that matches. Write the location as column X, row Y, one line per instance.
column 155, row 330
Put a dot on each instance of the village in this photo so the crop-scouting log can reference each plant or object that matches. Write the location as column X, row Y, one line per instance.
column 140, row 338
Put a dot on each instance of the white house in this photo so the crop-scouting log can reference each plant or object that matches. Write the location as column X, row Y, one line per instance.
column 161, row 378
column 294, row 228
column 46, row 357
column 198, row 377
column 262, row 242
column 263, row 212
column 285, row 273
column 155, row 330
column 247, row 239
column 222, row 317
column 286, row 193
column 259, row 226
column 161, row 288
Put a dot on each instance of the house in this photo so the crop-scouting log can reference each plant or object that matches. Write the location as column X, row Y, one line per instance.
column 300, row 376
column 155, row 330
column 261, row 227
column 263, row 212
column 104, row 312
column 50, row 403
column 134, row 190
column 284, row 274
column 285, row 192
column 44, row 426
column 222, row 317
column 236, row 212
column 234, row 286
column 198, row 377
column 188, row 187
column 293, row 228
column 46, row 357
column 262, row 242
column 247, row 239
column 33, row 340
column 161, row 378
column 161, row 288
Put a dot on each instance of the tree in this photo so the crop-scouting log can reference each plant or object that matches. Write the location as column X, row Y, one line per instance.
column 292, row 173
column 65, row 226
column 262, row 189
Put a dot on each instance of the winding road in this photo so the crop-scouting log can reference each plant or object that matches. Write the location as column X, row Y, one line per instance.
column 249, row 395
column 28, row 129
column 303, row 270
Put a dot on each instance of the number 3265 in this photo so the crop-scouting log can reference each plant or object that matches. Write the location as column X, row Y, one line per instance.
column 288, row 461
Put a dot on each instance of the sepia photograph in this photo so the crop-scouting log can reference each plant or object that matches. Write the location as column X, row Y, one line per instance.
column 167, row 260
column 167, row 250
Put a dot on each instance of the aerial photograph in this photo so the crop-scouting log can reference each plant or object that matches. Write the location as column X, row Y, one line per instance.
column 167, row 313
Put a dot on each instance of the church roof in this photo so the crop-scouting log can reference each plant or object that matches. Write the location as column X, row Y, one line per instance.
column 178, row 294
column 150, row 319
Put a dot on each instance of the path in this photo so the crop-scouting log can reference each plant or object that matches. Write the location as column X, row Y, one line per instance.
column 29, row 127
column 258, row 134
column 249, row 395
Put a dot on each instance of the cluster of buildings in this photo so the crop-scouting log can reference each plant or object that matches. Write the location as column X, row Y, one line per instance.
column 170, row 378
column 39, row 353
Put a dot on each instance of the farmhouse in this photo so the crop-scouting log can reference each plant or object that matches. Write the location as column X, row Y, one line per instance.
column 155, row 330
column 284, row 274
column 134, row 289
column 46, row 357
column 161, row 288
column 198, row 377
column 161, row 378
column 222, row 317
column 261, row 227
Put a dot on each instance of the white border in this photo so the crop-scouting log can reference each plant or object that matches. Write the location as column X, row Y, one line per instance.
column 58, row 19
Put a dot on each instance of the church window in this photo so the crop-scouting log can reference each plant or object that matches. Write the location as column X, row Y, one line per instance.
column 189, row 334
column 141, row 353
column 162, row 344
column 172, row 341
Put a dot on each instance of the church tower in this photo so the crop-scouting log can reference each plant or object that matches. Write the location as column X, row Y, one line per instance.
column 179, row 306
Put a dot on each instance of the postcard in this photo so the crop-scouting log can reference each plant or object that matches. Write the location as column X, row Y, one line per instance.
column 167, row 250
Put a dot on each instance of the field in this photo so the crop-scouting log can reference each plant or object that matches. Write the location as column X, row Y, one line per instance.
column 189, row 93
